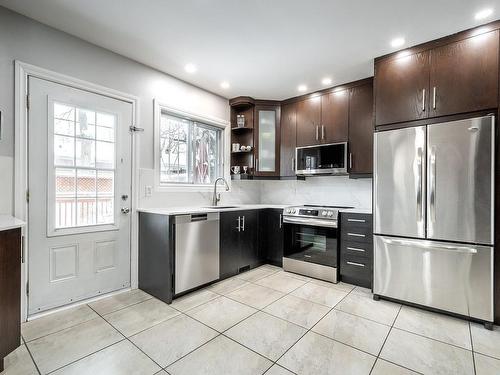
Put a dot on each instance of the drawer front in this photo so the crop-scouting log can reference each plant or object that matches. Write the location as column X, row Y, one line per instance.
column 356, row 249
column 356, row 267
column 357, row 235
column 356, row 220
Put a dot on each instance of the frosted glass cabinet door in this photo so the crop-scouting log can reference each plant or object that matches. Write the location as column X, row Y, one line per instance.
column 266, row 162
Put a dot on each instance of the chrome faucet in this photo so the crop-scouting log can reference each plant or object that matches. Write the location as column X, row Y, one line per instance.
column 216, row 197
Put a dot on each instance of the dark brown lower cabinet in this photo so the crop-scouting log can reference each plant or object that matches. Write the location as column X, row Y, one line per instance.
column 10, row 292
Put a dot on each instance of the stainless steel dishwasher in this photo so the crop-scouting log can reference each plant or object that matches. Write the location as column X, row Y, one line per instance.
column 196, row 250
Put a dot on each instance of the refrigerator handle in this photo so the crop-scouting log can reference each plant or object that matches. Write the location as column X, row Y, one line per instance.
column 432, row 184
column 431, row 245
column 420, row 206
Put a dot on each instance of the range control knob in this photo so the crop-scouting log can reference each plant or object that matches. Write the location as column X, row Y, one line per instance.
column 323, row 213
column 330, row 213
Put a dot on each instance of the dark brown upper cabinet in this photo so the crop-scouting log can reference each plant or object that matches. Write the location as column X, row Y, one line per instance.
column 402, row 88
column 464, row 75
column 334, row 117
column 288, row 139
column 361, row 129
column 267, row 140
column 308, row 121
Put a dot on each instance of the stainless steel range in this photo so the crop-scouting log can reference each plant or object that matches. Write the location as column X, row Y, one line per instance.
column 311, row 241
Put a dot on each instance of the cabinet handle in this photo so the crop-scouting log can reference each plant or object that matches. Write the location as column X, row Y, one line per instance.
column 356, row 249
column 239, row 224
column 281, row 220
column 350, row 160
column 423, row 100
column 317, row 132
column 357, row 220
column 355, row 264
column 434, row 90
column 356, row 235
column 243, row 225
column 322, row 131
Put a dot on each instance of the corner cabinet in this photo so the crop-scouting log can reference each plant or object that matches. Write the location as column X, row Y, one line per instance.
column 267, row 140
column 440, row 78
column 288, row 139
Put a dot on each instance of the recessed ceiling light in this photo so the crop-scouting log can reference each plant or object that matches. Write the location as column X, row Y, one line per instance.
column 190, row 68
column 482, row 14
column 224, row 85
column 326, row 81
column 397, row 42
column 302, row 88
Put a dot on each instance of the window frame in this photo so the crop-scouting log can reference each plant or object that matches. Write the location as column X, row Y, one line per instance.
column 161, row 108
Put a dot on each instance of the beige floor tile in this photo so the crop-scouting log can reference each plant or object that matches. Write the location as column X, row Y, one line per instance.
column 221, row 313
column 141, row 316
column 120, row 358
column 193, row 299
column 485, row 341
column 266, row 334
column 168, row 341
column 278, row 370
column 380, row 311
column 297, row 310
column 315, row 355
column 61, row 348
column 340, row 286
column 386, row 368
column 257, row 274
column 281, row 282
column 441, row 327
column 426, row 355
column 486, row 365
column 58, row 321
column 19, row 362
column 297, row 276
column 221, row 356
column 361, row 333
column 363, row 291
column 119, row 301
column 255, row 295
column 227, row 286
column 320, row 294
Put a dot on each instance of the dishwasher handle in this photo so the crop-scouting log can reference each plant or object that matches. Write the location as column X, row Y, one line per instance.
column 192, row 218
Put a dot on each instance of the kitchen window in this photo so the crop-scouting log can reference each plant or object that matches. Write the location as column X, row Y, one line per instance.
column 190, row 151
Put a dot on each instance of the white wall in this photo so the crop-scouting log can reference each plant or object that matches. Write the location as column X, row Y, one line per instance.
column 29, row 41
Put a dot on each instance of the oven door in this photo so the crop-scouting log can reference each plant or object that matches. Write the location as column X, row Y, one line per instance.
column 313, row 244
column 324, row 159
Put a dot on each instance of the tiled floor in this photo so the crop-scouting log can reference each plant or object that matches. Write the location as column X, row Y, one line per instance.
column 263, row 321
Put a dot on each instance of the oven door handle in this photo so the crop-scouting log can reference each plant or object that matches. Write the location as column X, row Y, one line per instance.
column 313, row 222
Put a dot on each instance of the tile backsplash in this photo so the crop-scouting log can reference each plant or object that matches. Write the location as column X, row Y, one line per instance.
column 324, row 190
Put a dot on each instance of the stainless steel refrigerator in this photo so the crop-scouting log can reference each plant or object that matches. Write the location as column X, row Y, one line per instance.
column 433, row 216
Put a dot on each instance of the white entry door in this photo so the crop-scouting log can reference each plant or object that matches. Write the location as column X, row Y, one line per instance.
column 79, row 179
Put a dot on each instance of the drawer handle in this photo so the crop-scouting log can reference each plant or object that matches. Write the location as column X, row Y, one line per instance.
column 355, row 264
column 357, row 220
column 356, row 235
column 356, row 249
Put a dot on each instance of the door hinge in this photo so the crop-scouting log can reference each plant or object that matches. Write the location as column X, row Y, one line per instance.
column 134, row 128
column 28, row 288
column 27, row 196
column 27, row 102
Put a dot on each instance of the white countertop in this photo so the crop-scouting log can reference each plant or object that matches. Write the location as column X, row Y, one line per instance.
column 232, row 207
column 10, row 222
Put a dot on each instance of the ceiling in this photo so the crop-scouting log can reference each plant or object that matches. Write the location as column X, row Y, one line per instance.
column 262, row 48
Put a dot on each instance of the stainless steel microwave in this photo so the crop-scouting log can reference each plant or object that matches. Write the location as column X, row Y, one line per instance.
column 329, row 159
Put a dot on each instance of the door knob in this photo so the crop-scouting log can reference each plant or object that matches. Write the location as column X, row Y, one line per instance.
column 125, row 210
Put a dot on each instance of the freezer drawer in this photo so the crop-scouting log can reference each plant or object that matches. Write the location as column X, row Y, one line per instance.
column 447, row 276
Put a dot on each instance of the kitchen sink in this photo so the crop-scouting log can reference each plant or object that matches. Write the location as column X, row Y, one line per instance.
column 219, row 207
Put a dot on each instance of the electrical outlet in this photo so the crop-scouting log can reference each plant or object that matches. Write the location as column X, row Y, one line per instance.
column 149, row 191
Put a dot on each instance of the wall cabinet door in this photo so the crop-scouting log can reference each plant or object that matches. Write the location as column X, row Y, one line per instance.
column 229, row 262
column 464, row 75
column 334, row 117
column 402, row 88
column 249, row 238
column 288, row 139
column 308, row 121
column 361, row 129
column 267, row 140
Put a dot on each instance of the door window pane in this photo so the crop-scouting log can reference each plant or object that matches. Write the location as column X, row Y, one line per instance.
column 84, row 194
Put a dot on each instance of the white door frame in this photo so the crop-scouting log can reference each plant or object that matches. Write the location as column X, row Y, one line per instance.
column 22, row 71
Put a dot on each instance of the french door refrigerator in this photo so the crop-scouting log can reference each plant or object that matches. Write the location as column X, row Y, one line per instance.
column 433, row 216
